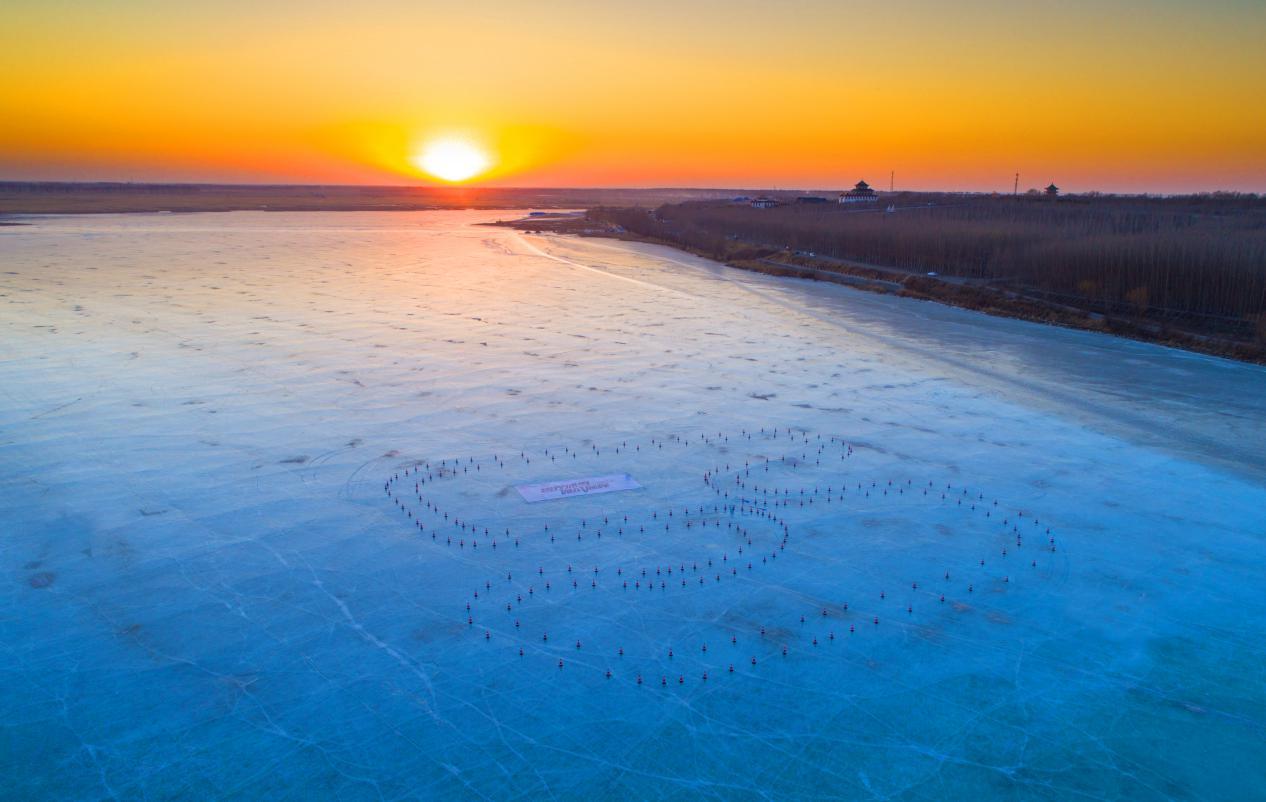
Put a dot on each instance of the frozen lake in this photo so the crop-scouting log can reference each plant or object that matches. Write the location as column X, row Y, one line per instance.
column 228, row 444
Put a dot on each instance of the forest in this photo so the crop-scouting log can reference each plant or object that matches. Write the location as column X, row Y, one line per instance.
column 1193, row 262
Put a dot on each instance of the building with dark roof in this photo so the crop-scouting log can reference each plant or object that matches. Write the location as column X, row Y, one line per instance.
column 861, row 193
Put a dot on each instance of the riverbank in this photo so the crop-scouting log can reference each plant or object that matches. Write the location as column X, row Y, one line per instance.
column 966, row 294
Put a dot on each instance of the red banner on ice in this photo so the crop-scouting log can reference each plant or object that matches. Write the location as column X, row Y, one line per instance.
column 577, row 487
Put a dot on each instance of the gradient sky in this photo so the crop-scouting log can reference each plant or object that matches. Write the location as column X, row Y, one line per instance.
column 1113, row 95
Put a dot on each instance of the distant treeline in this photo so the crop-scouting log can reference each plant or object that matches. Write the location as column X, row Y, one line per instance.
column 33, row 197
column 1197, row 260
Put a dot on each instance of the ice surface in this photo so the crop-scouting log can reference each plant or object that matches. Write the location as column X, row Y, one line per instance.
column 211, row 430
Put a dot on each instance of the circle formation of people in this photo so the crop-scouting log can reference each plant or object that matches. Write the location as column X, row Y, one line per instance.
column 755, row 502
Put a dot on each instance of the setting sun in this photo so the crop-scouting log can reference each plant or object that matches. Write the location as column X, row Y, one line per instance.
column 452, row 159
column 320, row 318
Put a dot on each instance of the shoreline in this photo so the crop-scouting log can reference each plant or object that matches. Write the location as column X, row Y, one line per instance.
column 757, row 258
column 976, row 298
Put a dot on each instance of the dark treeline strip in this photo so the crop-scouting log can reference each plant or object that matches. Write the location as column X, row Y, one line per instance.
column 18, row 197
column 1200, row 260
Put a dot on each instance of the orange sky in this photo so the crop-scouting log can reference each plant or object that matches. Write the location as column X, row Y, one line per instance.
column 1113, row 95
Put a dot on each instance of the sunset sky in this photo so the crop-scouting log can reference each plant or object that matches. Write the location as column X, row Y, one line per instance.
column 1113, row 95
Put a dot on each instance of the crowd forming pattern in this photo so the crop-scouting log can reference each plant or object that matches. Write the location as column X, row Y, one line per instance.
column 756, row 510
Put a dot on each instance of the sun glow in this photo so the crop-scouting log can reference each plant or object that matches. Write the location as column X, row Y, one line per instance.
column 452, row 159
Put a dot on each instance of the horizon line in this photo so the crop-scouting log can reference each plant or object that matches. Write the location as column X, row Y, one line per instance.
column 642, row 188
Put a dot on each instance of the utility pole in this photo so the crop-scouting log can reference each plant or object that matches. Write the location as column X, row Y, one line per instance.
column 1016, row 190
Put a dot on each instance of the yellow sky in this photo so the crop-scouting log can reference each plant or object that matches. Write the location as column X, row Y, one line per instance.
column 1157, row 95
